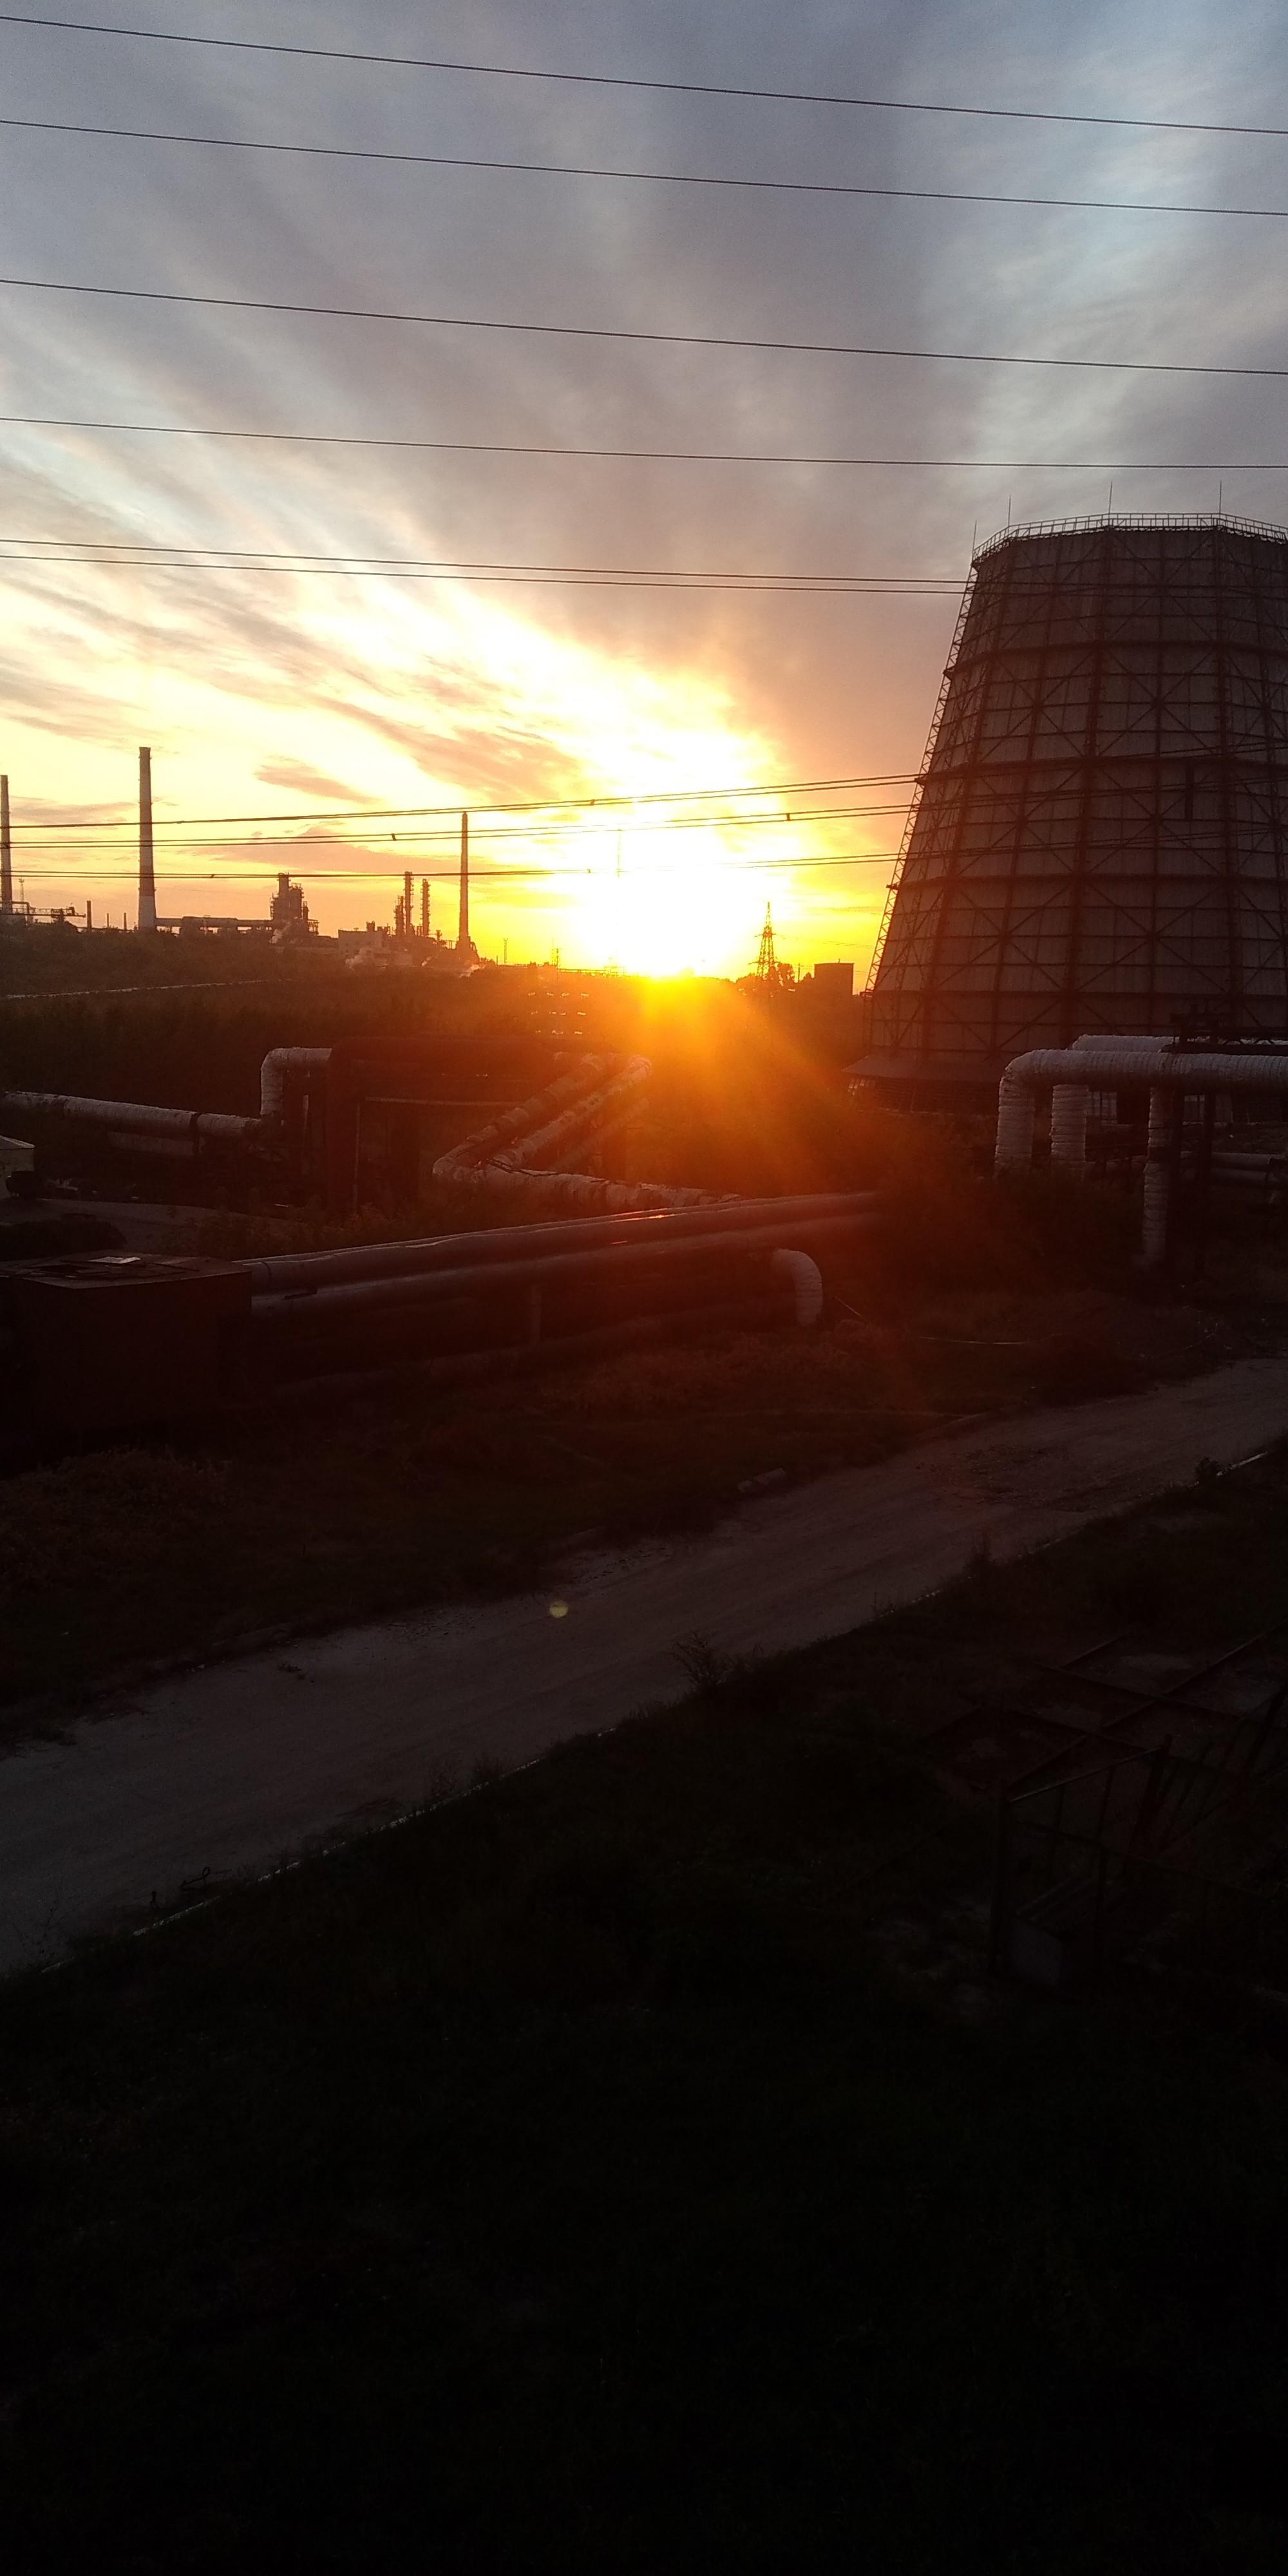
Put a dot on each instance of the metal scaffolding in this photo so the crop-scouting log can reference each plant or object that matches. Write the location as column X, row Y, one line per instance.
column 1100, row 835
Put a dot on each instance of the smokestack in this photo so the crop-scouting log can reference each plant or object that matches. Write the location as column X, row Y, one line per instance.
column 463, row 923
column 6, row 851
column 147, row 881
column 409, row 918
column 424, row 907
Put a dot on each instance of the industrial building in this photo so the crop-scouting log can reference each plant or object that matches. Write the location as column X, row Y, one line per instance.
column 1099, row 839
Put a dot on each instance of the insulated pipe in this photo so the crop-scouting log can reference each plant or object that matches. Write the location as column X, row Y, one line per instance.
column 1014, row 1150
column 273, row 1072
column 584, row 1115
column 284, row 1272
column 1153, row 1232
column 1108, row 1061
column 1069, row 1129
column 335, row 1304
column 137, row 1117
column 498, row 1157
column 806, row 1282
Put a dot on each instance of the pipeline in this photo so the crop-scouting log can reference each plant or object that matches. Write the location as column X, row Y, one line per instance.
column 294, row 1272
column 138, row 1118
column 451, row 1283
column 512, row 1153
column 503, row 1156
column 465, row 1300
column 1170, row 1070
column 273, row 1072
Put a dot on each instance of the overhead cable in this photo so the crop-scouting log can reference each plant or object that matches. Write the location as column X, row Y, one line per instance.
column 605, row 802
column 651, row 178
column 479, row 882
column 655, row 455
column 649, row 339
column 627, row 81
column 265, row 559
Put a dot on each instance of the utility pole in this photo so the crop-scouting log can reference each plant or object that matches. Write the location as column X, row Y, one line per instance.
column 147, row 879
column 6, row 851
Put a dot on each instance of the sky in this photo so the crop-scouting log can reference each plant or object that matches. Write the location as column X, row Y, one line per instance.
column 552, row 707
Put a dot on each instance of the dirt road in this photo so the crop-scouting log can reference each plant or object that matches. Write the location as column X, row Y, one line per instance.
column 230, row 1767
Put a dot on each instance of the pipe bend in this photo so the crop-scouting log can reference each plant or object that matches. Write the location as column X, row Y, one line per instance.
column 806, row 1282
column 273, row 1072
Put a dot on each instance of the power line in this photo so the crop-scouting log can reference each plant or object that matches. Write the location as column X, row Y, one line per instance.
column 661, row 585
column 86, row 836
column 124, row 550
column 651, row 178
column 621, row 80
column 649, row 339
column 655, row 455
column 479, row 883
column 528, row 805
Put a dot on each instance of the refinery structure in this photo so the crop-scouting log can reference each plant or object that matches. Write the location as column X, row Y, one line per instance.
column 1100, row 835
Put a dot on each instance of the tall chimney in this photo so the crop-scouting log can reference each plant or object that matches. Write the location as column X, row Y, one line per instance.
column 424, row 907
column 6, row 851
column 463, row 922
column 147, row 881
column 409, row 918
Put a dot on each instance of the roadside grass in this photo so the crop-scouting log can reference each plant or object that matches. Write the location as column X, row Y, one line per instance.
column 627, row 2166
column 364, row 1504
column 353, row 1505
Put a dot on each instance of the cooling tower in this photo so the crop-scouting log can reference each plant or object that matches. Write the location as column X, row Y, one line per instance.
column 1100, row 835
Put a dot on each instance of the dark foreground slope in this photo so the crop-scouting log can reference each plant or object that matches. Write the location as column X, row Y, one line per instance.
column 629, row 2166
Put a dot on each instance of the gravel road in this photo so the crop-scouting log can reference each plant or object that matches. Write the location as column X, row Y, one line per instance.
column 232, row 1766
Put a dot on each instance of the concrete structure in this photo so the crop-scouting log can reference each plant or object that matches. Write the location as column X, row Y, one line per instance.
column 147, row 874
column 1100, row 836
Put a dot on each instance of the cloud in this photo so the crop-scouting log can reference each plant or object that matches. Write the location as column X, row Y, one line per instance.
column 378, row 690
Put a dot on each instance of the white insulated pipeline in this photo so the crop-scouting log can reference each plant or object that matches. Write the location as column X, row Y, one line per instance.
column 514, row 1151
column 1103, row 1063
column 137, row 1117
column 273, row 1072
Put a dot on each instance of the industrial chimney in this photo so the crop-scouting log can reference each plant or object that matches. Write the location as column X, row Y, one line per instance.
column 147, row 880
column 6, row 851
column 464, row 943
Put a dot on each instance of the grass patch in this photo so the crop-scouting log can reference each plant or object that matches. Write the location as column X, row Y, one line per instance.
column 404, row 1496
column 622, row 2167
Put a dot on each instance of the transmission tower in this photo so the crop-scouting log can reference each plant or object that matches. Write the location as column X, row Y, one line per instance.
column 766, row 962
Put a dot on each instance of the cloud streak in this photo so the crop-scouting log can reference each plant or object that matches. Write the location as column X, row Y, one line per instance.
column 378, row 691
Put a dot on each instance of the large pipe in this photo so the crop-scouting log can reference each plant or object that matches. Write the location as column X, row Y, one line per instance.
column 137, row 1117
column 1069, row 1129
column 273, row 1072
column 499, row 1157
column 1169, row 1069
column 335, row 1303
column 806, row 1283
column 288, row 1273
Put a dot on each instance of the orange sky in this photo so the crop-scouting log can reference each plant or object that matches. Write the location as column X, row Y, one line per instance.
column 266, row 690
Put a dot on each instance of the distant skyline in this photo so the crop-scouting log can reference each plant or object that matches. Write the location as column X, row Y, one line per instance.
column 265, row 691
